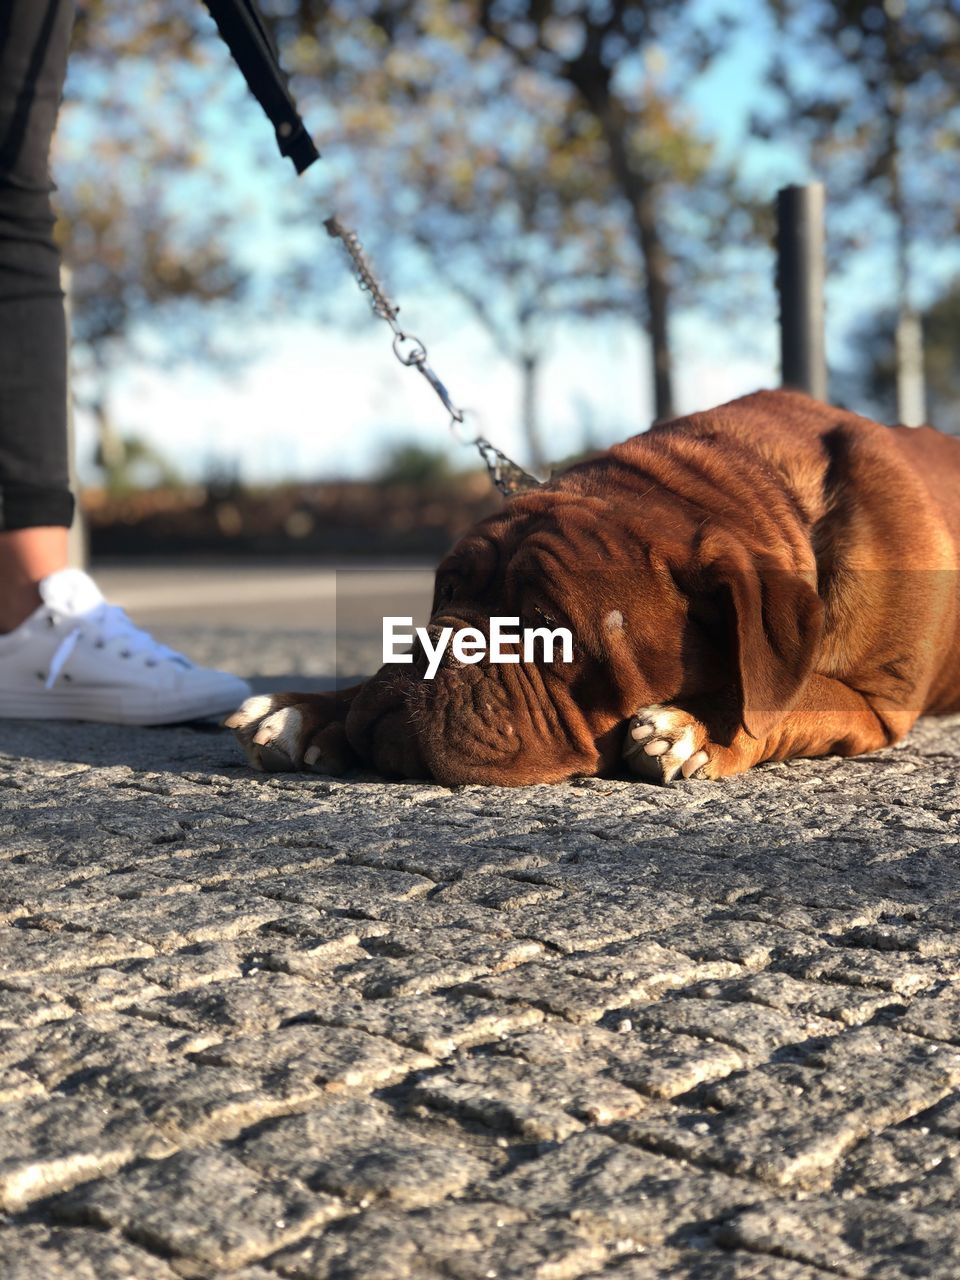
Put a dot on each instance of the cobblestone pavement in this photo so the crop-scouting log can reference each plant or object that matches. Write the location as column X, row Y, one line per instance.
column 285, row 1026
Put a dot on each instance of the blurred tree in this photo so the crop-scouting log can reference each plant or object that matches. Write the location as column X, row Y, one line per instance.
column 869, row 383
column 142, row 222
column 625, row 61
column 516, row 225
column 538, row 152
column 488, row 98
column 415, row 465
column 875, row 87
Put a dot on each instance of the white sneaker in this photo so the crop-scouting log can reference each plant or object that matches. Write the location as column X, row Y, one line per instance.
column 79, row 658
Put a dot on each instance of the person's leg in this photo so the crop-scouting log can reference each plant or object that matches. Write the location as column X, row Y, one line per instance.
column 27, row 556
column 64, row 652
column 36, row 506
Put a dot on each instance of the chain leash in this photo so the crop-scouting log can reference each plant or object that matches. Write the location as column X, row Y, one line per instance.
column 507, row 477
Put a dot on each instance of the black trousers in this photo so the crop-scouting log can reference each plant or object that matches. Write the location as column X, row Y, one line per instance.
column 34, row 488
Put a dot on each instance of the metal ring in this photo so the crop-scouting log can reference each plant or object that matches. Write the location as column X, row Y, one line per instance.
column 417, row 356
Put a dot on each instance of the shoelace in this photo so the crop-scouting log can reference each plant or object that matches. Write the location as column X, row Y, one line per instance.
column 111, row 623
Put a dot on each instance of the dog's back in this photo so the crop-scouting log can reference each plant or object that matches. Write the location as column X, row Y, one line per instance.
column 879, row 506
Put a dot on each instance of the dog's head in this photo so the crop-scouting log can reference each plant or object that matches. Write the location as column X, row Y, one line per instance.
column 661, row 607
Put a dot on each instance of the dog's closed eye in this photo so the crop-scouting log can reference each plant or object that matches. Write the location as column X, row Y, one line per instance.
column 443, row 593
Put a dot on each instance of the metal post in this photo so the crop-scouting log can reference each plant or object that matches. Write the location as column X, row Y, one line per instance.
column 800, row 275
column 911, row 382
column 77, row 543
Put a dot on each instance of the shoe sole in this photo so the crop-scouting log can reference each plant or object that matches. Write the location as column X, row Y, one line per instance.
column 128, row 711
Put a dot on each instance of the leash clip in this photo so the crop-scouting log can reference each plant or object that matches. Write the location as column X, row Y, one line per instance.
column 506, row 476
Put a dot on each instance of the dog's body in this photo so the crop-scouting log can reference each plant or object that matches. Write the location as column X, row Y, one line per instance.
column 769, row 579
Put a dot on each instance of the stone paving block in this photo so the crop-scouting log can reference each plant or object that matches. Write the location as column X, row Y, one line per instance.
column 424, row 961
column 576, row 924
column 657, row 1064
column 616, row 1191
column 379, row 977
column 313, row 923
column 548, row 986
column 848, row 1005
column 905, row 974
column 647, row 960
column 38, row 1252
column 545, row 1106
column 170, row 921
column 669, row 1264
column 667, row 1065
column 27, row 888
column 381, row 967
column 489, row 953
column 755, row 1030
column 311, row 927
column 852, row 1085
column 205, row 1206
column 322, row 1056
column 25, row 1006
column 497, row 892
column 471, row 850
column 944, row 1117
column 908, row 1166
column 363, row 1151
column 430, row 913
column 109, row 888
column 920, row 938
column 189, row 1103
column 91, row 1048
column 49, row 1143
column 48, row 950
column 454, row 1241
column 16, row 1084
column 620, row 879
column 437, row 1024
column 818, row 919
column 347, row 887
column 936, row 1017
column 86, row 991
column 858, row 1238
column 257, row 1002
column 225, row 866
column 193, row 966
column 744, row 942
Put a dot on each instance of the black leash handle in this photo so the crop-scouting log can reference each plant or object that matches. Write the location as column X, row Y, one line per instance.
column 245, row 34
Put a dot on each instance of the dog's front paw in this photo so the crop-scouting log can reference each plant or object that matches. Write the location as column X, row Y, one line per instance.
column 663, row 743
column 288, row 732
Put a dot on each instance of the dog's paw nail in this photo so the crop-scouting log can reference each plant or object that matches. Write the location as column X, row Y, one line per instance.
column 694, row 763
column 641, row 731
column 657, row 747
column 281, row 730
column 311, row 756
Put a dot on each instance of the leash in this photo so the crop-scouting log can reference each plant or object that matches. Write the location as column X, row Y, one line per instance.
column 245, row 33
column 507, row 476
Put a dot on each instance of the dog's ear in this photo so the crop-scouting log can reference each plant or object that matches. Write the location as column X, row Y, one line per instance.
column 774, row 619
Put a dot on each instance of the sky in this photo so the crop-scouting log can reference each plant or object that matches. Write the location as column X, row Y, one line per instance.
column 313, row 399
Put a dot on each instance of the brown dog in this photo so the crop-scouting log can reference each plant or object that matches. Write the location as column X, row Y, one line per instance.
column 773, row 578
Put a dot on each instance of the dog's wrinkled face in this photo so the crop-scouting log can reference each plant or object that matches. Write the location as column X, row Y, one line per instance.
column 552, row 559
